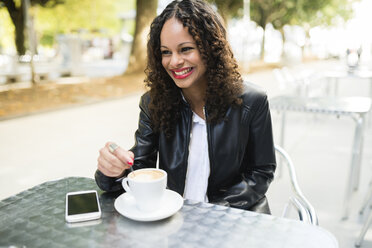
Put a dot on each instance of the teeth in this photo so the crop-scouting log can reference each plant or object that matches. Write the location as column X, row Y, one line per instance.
column 179, row 73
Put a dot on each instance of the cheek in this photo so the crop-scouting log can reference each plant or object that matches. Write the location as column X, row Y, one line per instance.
column 198, row 60
column 201, row 65
column 164, row 62
column 204, row 68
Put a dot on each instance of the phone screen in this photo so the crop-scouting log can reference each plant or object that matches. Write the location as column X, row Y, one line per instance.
column 82, row 203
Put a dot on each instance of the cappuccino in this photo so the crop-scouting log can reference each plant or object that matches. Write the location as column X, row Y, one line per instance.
column 146, row 175
column 147, row 186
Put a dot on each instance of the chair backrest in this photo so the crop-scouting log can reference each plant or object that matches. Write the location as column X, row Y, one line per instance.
column 302, row 82
column 280, row 78
column 287, row 82
column 305, row 210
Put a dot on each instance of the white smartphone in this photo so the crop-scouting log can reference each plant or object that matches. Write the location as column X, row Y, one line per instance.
column 82, row 206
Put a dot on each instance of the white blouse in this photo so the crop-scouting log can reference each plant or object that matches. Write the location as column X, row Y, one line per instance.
column 198, row 162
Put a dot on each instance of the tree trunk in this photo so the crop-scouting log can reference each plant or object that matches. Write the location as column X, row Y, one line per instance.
column 262, row 55
column 16, row 14
column 262, row 23
column 20, row 33
column 307, row 45
column 283, row 55
column 146, row 11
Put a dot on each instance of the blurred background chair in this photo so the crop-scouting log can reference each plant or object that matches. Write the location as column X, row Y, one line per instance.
column 287, row 81
column 305, row 83
column 356, row 108
column 365, row 212
column 296, row 200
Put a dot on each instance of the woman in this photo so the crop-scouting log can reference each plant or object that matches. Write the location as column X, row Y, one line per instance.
column 211, row 133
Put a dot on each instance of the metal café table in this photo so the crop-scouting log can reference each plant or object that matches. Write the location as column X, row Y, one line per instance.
column 355, row 107
column 333, row 79
column 35, row 218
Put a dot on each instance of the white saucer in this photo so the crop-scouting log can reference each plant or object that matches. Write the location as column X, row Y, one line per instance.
column 126, row 206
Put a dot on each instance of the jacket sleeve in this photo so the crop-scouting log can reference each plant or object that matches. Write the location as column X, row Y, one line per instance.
column 145, row 148
column 257, row 170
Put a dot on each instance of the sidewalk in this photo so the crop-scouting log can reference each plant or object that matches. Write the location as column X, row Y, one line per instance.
column 51, row 145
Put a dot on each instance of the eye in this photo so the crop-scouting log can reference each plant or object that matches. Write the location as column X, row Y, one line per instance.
column 186, row 49
column 165, row 52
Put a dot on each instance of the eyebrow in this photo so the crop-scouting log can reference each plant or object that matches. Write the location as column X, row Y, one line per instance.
column 183, row 43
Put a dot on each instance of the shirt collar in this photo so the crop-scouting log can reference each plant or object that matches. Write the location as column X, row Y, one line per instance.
column 183, row 97
column 197, row 119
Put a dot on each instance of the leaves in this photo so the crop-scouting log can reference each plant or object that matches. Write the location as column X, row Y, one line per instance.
column 83, row 14
column 53, row 17
column 283, row 12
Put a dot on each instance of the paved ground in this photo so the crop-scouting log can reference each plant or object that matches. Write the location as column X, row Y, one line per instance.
column 46, row 146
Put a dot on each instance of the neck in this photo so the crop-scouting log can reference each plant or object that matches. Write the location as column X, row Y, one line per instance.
column 196, row 99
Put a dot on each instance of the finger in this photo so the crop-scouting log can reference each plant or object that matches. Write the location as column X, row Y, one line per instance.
column 112, row 147
column 127, row 157
column 113, row 164
column 131, row 154
column 108, row 168
column 114, row 159
column 110, row 161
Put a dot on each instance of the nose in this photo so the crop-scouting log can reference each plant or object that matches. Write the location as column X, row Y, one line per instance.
column 176, row 60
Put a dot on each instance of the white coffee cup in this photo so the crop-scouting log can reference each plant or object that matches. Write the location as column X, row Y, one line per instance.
column 147, row 186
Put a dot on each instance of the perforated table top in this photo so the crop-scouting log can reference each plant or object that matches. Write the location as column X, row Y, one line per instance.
column 35, row 218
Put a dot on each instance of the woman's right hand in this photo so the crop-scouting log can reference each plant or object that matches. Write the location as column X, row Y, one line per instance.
column 114, row 164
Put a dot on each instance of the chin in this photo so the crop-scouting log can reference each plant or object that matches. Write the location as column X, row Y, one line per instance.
column 182, row 85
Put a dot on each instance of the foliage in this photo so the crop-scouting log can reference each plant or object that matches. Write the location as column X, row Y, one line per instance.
column 279, row 13
column 324, row 13
column 15, row 9
column 282, row 12
column 228, row 8
column 6, row 30
column 101, row 17
column 146, row 11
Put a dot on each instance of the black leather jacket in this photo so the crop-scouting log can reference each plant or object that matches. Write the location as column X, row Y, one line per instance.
column 241, row 152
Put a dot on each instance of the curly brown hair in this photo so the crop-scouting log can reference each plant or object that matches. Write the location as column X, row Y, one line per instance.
column 224, row 80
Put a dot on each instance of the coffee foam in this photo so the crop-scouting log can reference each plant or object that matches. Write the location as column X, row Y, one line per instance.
column 145, row 176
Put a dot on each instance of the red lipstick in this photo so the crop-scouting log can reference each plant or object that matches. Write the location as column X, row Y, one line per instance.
column 191, row 70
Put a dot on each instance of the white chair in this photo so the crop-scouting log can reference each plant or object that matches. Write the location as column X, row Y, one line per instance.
column 304, row 83
column 366, row 206
column 305, row 210
column 287, row 82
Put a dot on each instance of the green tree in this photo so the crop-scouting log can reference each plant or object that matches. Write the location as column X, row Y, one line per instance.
column 282, row 12
column 278, row 13
column 146, row 11
column 301, row 12
column 323, row 13
column 99, row 17
column 228, row 8
column 16, row 12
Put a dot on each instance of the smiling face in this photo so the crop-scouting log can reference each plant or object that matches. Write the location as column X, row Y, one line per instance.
column 181, row 57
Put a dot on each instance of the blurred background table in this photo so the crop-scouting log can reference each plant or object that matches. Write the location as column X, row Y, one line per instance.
column 334, row 76
column 35, row 218
column 355, row 107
